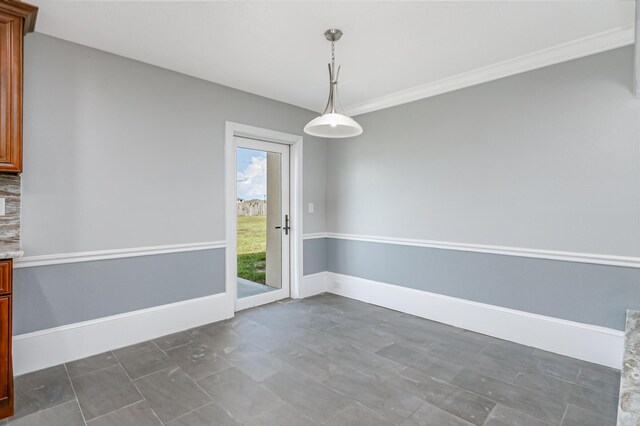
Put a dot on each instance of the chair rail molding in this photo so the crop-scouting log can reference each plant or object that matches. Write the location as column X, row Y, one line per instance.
column 314, row 236
column 567, row 256
column 88, row 256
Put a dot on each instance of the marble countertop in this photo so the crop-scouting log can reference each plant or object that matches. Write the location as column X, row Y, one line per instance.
column 10, row 250
column 629, row 408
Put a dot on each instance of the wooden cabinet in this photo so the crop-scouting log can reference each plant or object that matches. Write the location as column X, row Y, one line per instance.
column 6, row 366
column 6, row 273
column 16, row 19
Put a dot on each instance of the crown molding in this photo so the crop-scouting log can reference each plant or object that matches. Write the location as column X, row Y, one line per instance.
column 586, row 46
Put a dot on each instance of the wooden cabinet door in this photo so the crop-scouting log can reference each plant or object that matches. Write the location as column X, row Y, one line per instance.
column 10, row 92
column 6, row 379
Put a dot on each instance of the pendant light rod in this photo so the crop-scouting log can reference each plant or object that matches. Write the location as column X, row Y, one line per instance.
column 332, row 35
column 334, row 122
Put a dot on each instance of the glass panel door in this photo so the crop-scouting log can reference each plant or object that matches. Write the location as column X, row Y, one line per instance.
column 262, row 209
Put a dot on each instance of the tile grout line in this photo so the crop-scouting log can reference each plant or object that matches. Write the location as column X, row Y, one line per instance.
column 93, row 371
column 154, row 372
column 144, row 399
column 566, row 404
column 157, row 346
column 578, row 385
column 213, row 400
column 489, row 414
column 192, row 411
column 177, row 346
column 116, row 410
column 195, row 409
column 13, row 419
column 137, row 389
column 121, row 366
column 424, row 401
column 566, row 410
column 525, row 368
column 84, row 419
column 326, row 350
column 156, row 416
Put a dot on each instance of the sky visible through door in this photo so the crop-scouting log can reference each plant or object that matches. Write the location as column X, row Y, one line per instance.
column 254, row 242
column 251, row 174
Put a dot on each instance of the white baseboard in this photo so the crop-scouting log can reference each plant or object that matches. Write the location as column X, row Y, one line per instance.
column 314, row 284
column 46, row 348
column 582, row 341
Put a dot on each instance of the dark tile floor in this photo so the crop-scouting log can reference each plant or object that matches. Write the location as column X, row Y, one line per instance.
column 323, row 360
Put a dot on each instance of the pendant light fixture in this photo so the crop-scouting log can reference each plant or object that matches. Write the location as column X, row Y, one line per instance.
column 334, row 122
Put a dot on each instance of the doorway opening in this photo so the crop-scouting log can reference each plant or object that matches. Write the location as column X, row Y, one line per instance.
column 262, row 217
column 264, row 205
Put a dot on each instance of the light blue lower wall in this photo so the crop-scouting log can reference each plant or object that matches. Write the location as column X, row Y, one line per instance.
column 315, row 256
column 55, row 295
column 582, row 292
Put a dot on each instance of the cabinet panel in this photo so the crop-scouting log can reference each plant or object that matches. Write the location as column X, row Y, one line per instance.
column 6, row 377
column 10, row 92
column 6, row 272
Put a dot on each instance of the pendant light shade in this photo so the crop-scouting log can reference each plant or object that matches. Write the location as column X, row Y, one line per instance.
column 333, row 125
column 334, row 122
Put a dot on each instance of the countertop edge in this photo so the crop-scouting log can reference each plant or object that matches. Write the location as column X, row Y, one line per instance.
column 11, row 250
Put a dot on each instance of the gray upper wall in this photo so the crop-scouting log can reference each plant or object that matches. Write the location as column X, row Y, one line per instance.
column 118, row 153
column 548, row 159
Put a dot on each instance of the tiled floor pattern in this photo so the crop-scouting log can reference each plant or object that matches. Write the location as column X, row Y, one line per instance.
column 324, row 360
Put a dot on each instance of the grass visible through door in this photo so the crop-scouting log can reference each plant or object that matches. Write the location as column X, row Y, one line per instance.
column 252, row 248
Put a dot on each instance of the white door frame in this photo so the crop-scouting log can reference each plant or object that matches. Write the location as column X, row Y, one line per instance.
column 296, row 211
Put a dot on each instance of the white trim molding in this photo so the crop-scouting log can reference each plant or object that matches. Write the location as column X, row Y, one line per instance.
column 582, row 341
column 313, row 284
column 295, row 142
column 54, row 346
column 567, row 256
column 586, row 46
column 87, row 256
column 314, row 236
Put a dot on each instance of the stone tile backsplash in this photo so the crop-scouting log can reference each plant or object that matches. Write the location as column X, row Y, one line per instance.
column 10, row 189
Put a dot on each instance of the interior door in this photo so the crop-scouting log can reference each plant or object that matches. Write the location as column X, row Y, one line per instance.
column 263, row 222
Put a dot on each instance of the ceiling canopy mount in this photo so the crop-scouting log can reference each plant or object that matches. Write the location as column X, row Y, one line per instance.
column 333, row 34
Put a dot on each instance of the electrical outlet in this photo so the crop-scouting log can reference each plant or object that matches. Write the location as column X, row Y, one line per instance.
column 310, row 207
column 2, row 207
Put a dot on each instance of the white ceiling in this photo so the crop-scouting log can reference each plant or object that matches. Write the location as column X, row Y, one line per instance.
column 392, row 52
